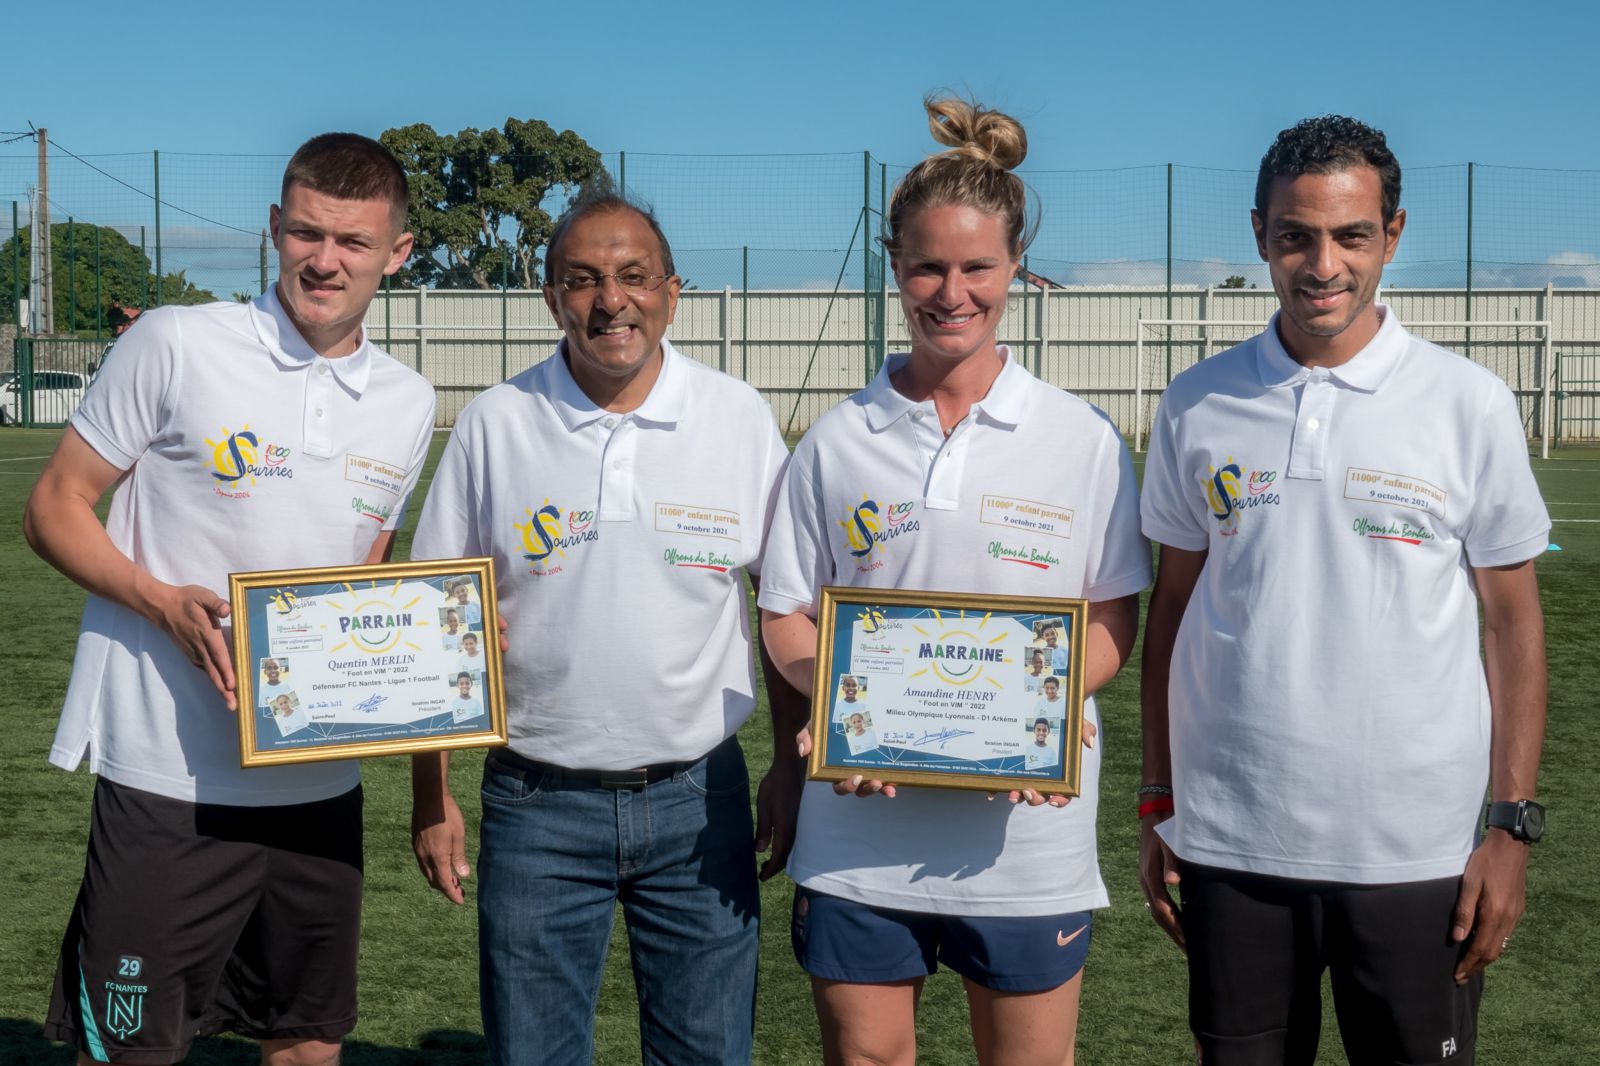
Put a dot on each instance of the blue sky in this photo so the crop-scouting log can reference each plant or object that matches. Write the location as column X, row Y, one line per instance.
column 1098, row 87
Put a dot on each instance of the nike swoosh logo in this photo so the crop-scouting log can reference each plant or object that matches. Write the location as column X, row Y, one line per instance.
column 1063, row 941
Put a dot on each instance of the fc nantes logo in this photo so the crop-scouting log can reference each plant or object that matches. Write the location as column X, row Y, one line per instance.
column 125, row 1000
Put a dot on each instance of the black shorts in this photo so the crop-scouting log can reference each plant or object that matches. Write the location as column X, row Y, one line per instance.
column 198, row 918
column 1257, row 947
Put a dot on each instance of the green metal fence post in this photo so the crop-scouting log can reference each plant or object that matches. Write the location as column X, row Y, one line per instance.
column 25, row 380
column 144, row 300
column 1470, row 168
column 264, row 264
column 622, row 172
column 388, row 317
column 157, row 156
column 1027, row 334
column 72, row 276
column 883, row 275
column 1467, row 332
column 744, row 318
column 99, row 302
column 16, row 267
column 505, row 351
column 1169, row 271
column 870, row 348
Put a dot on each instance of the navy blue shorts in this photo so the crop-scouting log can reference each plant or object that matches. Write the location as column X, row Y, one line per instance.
column 842, row 940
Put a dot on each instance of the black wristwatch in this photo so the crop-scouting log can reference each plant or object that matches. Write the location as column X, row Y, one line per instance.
column 1523, row 819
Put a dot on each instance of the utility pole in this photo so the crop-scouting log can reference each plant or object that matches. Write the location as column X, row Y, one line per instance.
column 46, row 295
column 36, row 304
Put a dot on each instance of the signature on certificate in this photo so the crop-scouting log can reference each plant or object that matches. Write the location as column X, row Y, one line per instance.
column 928, row 738
column 372, row 702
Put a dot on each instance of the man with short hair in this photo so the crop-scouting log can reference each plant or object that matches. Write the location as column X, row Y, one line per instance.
column 1334, row 499
column 614, row 481
column 235, row 435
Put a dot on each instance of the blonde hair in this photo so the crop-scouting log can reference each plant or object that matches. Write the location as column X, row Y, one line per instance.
column 985, row 146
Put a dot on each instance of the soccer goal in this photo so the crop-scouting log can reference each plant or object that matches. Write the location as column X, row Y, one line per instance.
column 1518, row 351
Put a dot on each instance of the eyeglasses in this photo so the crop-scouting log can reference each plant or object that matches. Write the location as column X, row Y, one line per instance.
column 632, row 280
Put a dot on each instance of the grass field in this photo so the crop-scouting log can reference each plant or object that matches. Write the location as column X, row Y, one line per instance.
column 418, row 961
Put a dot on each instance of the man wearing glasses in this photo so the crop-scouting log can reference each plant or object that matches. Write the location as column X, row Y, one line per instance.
column 615, row 482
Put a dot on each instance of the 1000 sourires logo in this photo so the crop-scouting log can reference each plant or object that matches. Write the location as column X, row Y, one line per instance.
column 240, row 458
column 1229, row 492
column 870, row 526
column 546, row 537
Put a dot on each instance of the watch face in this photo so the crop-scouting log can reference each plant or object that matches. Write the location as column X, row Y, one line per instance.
column 1532, row 821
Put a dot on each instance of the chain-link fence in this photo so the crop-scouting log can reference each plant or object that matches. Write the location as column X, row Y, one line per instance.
column 792, row 241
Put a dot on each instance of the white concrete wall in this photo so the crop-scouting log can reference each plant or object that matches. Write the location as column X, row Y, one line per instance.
column 807, row 350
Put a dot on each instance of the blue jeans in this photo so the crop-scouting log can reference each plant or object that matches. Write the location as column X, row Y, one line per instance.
column 557, row 855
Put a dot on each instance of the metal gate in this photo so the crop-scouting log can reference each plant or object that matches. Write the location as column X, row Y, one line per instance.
column 47, row 379
column 1577, row 395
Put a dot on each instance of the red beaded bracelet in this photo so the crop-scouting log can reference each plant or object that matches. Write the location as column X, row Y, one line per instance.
column 1154, row 805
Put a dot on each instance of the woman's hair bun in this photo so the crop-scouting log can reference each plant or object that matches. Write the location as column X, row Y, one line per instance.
column 971, row 130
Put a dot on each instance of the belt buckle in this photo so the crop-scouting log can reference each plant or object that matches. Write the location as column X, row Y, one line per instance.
column 629, row 780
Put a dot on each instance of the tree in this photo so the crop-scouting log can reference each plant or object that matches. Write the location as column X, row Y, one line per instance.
column 1233, row 281
column 126, row 278
column 477, row 196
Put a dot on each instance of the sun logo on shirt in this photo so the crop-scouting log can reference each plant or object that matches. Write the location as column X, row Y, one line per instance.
column 541, row 534
column 861, row 528
column 1225, row 495
column 234, row 455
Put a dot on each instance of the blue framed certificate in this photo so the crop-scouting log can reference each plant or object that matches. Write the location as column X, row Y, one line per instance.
column 950, row 690
column 349, row 662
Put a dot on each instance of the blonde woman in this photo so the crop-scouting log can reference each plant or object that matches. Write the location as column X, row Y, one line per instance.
column 998, row 891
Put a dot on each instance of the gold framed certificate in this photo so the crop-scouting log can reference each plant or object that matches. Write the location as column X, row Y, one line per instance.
column 350, row 662
column 949, row 690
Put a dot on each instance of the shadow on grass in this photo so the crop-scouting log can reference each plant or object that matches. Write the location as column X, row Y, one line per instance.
column 23, row 1043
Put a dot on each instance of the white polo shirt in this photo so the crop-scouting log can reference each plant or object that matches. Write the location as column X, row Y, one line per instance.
column 245, row 450
column 615, row 531
column 956, row 508
column 1329, row 714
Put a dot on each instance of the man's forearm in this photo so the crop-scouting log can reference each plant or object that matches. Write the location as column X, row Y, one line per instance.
column 1160, row 633
column 1514, row 663
column 430, row 777
column 1177, row 573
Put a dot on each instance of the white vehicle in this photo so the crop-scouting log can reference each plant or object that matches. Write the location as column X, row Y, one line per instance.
column 56, row 394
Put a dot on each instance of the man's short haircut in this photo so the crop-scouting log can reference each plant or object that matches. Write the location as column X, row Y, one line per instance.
column 348, row 166
column 461, row 675
column 600, row 198
column 1329, row 144
column 1037, row 722
column 1053, row 680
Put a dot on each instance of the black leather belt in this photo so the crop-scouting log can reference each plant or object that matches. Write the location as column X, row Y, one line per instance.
column 625, row 780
